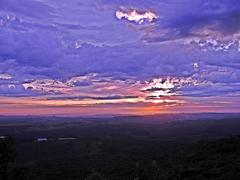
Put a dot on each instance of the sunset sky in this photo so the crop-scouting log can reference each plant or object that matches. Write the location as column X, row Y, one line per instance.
column 99, row 57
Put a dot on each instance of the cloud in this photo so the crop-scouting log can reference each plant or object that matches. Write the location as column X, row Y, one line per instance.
column 213, row 26
column 35, row 9
column 167, row 53
column 99, row 98
column 89, row 84
column 158, row 90
column 168, row 89
column 136, row 16
column 5, row 76
column 48, row 86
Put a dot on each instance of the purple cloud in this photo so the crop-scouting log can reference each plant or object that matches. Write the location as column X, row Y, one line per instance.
column 75, row 51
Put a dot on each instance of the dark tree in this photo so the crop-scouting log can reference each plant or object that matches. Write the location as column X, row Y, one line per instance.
column 7, row 156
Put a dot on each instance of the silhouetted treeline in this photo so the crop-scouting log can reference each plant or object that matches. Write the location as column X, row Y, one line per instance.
column 8, row 169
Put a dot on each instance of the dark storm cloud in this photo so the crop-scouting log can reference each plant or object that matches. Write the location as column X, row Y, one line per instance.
column 217, row 16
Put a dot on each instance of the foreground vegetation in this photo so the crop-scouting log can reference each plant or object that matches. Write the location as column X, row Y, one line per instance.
column 218, row 159
column 187, row 150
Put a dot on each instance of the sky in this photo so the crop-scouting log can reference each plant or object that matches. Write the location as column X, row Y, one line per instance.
column 100, row 57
